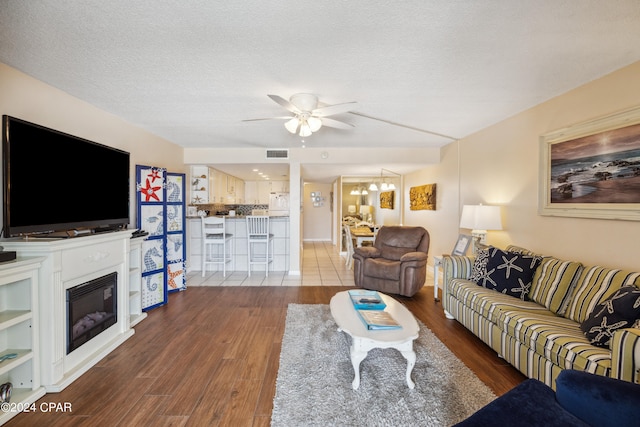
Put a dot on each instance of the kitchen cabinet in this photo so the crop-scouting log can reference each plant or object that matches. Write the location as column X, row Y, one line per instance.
column 279, row 186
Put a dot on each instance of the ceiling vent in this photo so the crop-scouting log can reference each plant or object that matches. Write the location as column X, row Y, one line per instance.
column 278, row 154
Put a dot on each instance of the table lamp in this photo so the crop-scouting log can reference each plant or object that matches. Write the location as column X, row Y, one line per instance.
column 480, row 218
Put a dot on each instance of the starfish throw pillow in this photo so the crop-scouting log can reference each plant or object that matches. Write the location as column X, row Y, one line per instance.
column 620, row 310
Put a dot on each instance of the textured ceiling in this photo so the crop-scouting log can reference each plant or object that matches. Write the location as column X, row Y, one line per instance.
column 190, row 71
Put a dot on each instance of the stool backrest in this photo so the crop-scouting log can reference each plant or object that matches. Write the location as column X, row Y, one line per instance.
column 257, row 225
column 213, row 227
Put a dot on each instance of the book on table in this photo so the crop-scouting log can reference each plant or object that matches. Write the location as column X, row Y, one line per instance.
column 364, row 299
column 376, row 320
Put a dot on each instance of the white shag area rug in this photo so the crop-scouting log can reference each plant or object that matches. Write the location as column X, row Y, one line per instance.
column 313, row 387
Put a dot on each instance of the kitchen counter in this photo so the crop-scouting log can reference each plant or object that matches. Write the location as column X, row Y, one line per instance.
column 236, row 225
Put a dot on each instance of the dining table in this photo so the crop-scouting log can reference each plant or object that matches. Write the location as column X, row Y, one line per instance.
column 362, row 234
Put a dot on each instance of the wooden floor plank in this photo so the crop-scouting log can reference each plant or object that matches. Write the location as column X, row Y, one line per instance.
column 211, row 356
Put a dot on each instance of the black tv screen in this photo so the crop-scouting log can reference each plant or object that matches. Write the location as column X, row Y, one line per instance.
column 53, row 181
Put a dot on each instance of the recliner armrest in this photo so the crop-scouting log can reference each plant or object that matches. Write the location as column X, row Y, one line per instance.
column 367, row 252
column 414, row 256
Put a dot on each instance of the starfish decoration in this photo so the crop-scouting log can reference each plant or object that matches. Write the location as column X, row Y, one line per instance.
column 149, row 191
column 172, row 276
column 155, row 174
column 605, row 330
column 509, row 264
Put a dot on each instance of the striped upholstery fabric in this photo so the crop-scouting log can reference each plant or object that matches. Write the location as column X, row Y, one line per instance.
column 553, row 337
column 519, row 250
column 553, row 283
column 531, row 335
column 625, row 348
column 594, row 285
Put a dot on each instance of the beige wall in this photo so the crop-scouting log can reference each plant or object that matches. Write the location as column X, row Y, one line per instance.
column 499, row 165
column 317, row 219
column 29, row 99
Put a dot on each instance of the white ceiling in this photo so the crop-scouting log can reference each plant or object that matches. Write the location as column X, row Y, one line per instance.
column 191, row 70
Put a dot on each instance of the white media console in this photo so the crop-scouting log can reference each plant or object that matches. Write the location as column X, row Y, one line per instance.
column 67, row 263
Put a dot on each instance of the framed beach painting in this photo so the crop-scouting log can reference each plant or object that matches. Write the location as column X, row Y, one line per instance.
column 592, row 169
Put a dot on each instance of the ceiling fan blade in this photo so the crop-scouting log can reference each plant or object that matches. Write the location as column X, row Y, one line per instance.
column 332, row 123
column 333, row 109
column 269, row 118
column 286, row 104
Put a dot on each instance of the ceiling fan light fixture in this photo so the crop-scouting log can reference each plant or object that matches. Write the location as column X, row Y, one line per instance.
column 305, row 129
column 314, row 123
column 292, row 125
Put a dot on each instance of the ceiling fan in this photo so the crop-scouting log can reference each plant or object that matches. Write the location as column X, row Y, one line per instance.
column 308, row 117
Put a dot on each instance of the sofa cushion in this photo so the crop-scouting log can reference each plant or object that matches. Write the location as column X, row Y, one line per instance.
column 553, row 282
column 620, row 310
column 510, row 272
column 594, row 286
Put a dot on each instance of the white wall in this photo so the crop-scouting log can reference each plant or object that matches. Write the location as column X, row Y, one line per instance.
column 29, row 99
column 499, row 166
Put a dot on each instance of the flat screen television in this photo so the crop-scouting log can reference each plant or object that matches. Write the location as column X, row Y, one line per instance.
column 53, row 181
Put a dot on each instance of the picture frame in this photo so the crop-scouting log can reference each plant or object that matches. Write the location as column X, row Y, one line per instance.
column 462, row 245
column 592, row 169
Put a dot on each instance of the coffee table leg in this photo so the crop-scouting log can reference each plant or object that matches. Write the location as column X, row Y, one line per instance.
column 410, row 355
column 357, row 356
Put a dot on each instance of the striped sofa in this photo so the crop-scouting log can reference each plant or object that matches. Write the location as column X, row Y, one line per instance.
column 541, row 336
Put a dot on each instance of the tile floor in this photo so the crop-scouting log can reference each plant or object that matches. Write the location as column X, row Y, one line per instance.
column 322, row 265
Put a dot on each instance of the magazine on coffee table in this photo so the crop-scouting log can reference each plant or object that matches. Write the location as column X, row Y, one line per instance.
column 376, row 320
column 364, row 299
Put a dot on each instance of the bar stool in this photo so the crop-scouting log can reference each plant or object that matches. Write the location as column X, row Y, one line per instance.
column 214, row 233
column 257, row 235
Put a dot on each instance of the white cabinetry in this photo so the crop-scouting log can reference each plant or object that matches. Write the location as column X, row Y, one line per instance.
column 19, row 331
column 280, row 186
column 135, row 282
column 264, row 190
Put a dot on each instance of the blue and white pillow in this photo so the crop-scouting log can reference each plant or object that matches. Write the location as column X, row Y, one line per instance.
column 621, row 310
column 510, row 273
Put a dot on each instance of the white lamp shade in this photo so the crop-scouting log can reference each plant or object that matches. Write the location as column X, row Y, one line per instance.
column 305, row 130
column 480, row 217
column 351, row 209
column 365, row 209
column 373, row 187
column 292, row 125
column 314, row 123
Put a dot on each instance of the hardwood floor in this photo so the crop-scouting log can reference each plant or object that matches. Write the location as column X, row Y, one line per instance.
column 210, row 357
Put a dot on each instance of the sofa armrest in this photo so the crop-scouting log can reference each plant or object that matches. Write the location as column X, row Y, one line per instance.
column 457, row 267
column 625, row 355
column 414, row 256
column 366, row 252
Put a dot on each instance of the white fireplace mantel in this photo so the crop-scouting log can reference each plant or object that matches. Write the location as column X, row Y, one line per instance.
column 68, row 263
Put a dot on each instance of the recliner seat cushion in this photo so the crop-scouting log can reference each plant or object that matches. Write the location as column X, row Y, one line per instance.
column 382, row 268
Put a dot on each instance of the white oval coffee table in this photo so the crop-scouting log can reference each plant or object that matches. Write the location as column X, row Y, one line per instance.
column 363, row 340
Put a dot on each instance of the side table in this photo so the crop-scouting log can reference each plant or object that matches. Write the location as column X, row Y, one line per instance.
column 437, row 263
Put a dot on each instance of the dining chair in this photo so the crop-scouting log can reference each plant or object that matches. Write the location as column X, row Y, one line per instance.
column 258, row 236
column 349, row 244
column 215, row 236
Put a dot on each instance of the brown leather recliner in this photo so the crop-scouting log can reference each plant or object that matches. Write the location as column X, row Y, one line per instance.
column 396, row 263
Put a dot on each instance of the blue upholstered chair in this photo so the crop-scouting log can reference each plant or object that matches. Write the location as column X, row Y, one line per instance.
column 581, row 399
